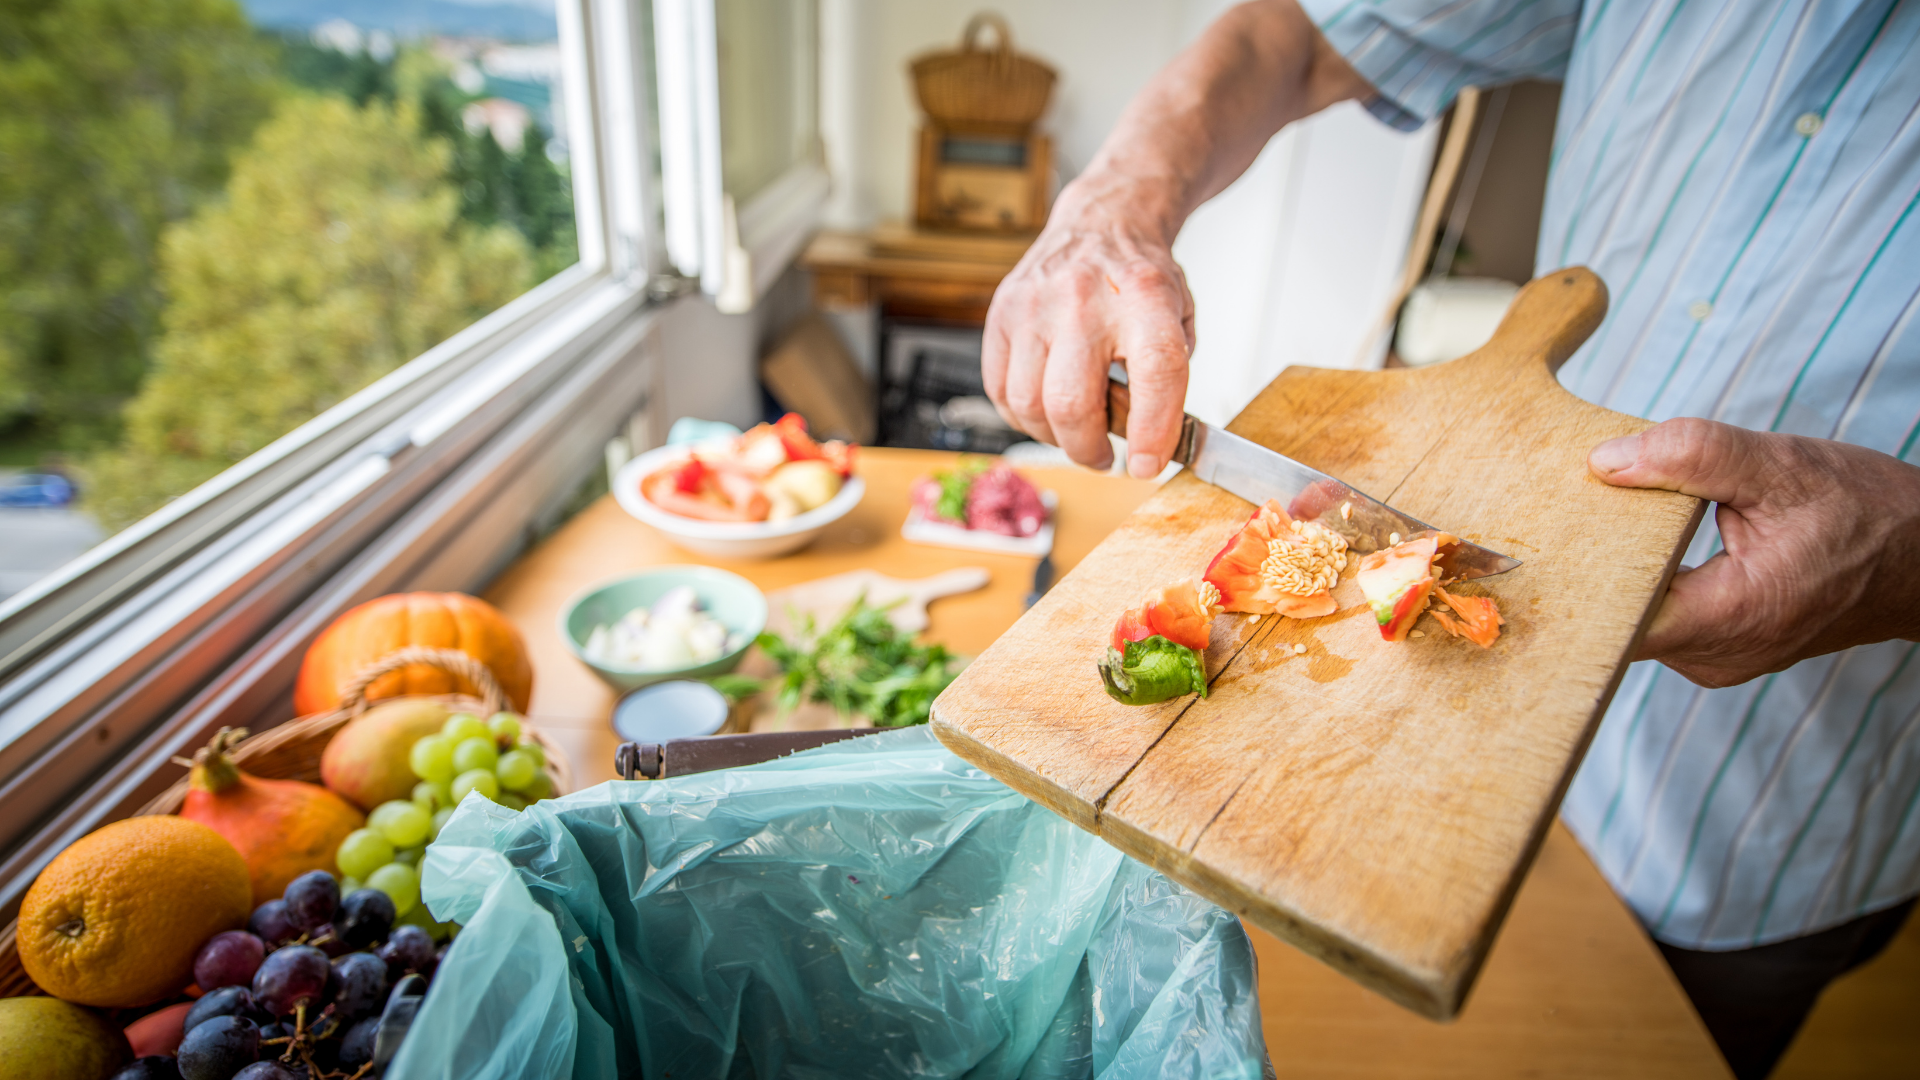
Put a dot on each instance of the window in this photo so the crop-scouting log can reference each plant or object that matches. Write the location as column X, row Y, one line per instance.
column 424, row 337
column 264, row 214
column 744, row 174
column 453, row 428
column 769, row 109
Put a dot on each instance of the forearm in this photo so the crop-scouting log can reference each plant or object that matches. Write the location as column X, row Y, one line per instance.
column 1100, row 283
column 1202, row 120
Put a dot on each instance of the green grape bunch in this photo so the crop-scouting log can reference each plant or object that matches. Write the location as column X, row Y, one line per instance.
column 494, row 757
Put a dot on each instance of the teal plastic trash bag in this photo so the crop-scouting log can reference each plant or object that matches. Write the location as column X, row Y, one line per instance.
column 873, row 908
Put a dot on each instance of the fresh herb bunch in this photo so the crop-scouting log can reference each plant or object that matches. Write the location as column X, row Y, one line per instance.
column 862, row 665
column 955, row 485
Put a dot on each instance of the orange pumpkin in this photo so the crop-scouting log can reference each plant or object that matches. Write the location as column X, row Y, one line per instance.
column 433, row 620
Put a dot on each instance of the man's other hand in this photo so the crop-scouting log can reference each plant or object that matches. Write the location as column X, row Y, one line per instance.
column 1821, row 539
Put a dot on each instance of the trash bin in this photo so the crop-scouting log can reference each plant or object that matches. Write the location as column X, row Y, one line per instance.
column 873, row 908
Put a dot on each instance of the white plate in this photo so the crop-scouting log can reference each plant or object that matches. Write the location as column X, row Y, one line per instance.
column 921, row 531
column 727, row 539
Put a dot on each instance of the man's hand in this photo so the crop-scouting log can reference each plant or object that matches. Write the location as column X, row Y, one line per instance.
column 1821, row 538
column 1100, row 283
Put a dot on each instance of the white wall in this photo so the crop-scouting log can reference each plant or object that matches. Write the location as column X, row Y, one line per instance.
column 1296, row 261
column 709, row 364
column 1291, row 265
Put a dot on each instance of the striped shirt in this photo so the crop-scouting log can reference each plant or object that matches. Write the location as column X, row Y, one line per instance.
column 1744, row 177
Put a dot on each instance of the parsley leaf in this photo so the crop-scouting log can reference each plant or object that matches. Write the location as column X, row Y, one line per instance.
column 863, row 666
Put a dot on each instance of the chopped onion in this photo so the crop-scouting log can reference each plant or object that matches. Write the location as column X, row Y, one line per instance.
column 675, row 632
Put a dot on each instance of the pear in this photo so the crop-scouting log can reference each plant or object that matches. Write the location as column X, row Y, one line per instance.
column 43, row 1038
column 367, row 760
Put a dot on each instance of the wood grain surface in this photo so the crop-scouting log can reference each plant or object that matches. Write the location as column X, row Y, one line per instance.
column 1374, row 804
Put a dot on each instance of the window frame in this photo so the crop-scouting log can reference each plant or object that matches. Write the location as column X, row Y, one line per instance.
column 735, row 251
column 433, row 476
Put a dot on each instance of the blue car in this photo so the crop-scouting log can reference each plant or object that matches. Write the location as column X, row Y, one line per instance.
column 36, row 489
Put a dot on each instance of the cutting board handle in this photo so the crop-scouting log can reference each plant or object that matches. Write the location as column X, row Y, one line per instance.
column 1549, row 319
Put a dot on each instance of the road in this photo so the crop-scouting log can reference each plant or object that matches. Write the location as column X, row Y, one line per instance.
column 35, row 541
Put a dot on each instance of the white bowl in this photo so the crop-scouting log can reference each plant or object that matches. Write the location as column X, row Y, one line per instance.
column 727, row 539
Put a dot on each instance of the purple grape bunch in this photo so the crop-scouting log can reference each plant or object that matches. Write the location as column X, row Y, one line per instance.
column 317, row 984
column 228, row 958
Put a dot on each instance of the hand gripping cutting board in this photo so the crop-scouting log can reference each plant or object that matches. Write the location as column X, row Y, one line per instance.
column 1375, row 804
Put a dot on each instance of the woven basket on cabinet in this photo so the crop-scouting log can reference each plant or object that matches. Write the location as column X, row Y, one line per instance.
column 292, row 752
column 977, row 87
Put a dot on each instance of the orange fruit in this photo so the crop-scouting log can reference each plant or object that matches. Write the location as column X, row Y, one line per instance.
column 115, row 920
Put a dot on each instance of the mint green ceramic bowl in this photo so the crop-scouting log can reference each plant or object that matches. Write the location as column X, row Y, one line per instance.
column 731, row 598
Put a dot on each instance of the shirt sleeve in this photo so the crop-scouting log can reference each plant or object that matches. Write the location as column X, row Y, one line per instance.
column 1420, row 53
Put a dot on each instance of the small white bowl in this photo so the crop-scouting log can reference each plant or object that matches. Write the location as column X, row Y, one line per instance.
column 727, row 539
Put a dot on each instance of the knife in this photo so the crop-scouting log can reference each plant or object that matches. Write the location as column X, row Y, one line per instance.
column 1042, row 579
column 1256, row 474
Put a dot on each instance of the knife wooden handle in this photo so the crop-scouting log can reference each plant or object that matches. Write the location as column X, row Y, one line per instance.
column 1119, row 404
column 1119, row 401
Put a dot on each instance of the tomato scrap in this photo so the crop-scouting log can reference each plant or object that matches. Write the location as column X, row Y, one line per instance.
column 1397, row 581
column 800, row 446
column 706, row 492
column 1182, row 613
column 691, row 476
column 1479, row 617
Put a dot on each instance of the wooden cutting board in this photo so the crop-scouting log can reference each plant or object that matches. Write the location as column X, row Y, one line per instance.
column 825, row 599
column 1376, row 804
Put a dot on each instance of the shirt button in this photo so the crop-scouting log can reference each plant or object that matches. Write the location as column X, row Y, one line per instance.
column 1808, row 124
column 1700, row 309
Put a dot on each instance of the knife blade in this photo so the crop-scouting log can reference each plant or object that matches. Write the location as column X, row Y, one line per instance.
column 1256, row 474
column 1042, row 579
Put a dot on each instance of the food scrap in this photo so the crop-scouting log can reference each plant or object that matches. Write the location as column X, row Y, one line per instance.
column 1158, row 646
column 1397, row 580
column 1479, row 618
column 770, row 473
column 981, row 496
column 1401, row 583
column 1277, row 565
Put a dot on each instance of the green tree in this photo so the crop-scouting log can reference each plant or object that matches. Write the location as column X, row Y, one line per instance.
column 360, row 76
column 116, row 118
column 524, row 189
column 338, row 254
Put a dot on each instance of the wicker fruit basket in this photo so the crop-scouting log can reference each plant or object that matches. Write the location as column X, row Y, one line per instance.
column 983, row 88
column 292, row 752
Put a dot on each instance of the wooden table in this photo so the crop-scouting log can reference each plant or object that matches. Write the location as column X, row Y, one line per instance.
column 1573, row 988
